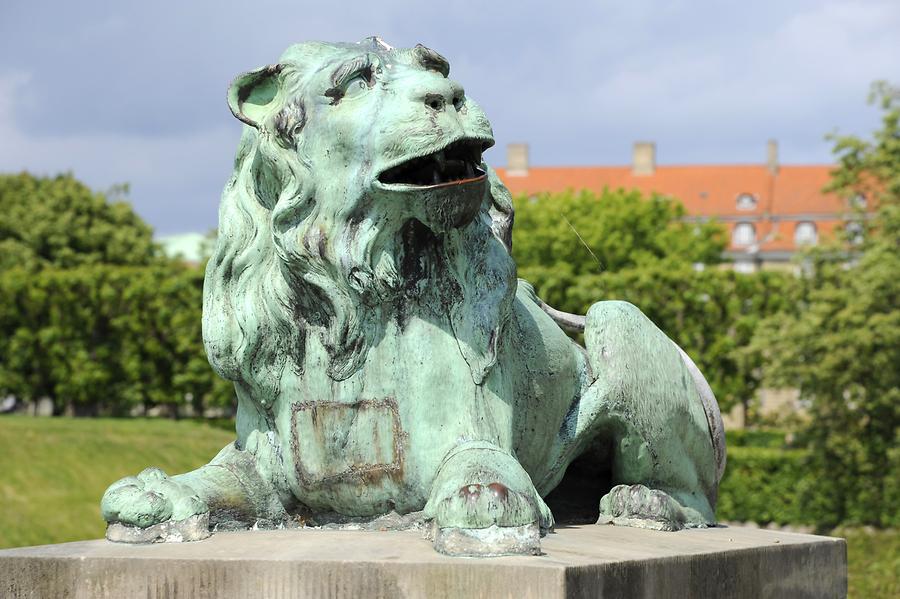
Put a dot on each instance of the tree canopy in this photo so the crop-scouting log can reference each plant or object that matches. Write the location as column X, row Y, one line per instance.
column 90, row 316
column 579, row 248
column 841, row 343
column 559, row 238
column 58, row 221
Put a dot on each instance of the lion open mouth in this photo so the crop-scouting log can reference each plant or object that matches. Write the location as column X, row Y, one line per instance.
column 458, row 163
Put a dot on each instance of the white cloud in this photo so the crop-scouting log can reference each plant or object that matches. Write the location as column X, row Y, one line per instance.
column 797, row 80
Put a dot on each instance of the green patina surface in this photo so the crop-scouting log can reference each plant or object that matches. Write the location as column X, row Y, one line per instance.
column 363, row 299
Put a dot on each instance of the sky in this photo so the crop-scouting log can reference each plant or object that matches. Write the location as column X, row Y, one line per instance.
column 133, row 92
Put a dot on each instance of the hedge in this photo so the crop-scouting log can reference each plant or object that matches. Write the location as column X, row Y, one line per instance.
column 761, row 485
column 106, row 339
column 770, row 485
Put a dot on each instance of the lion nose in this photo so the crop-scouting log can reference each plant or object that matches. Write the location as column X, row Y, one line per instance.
column 435, row 102
column 439, row 102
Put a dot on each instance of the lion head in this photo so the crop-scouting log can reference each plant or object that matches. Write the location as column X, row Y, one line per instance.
column 359, row 197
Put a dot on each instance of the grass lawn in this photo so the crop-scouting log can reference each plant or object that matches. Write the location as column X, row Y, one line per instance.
column 874, row 557
column 53, row 472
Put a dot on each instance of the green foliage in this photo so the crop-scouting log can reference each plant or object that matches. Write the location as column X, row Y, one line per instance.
column 90, row 316
column 59, row 222
column 105, row 338
column 841, row 344
column 559, row 238
column 871, row 166
column 761, row 485
column 648, row 252
column 744, row 437
column 769, row 484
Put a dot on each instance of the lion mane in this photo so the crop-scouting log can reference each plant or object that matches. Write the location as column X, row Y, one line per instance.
column 294, row 259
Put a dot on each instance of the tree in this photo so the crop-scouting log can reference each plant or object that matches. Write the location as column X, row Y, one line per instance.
column 58, row 221
column 106, row 339
column 90, row 316
column 559, row 238
column 580, row 248
column 841, row 345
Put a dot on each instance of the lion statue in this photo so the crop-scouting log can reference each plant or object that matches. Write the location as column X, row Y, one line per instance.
column 386, row 359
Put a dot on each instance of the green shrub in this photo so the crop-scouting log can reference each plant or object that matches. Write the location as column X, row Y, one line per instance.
column 756, row 438
column 106, row 339
column 771, row 484
column 761, row 485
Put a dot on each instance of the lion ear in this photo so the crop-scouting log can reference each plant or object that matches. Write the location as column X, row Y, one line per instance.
column 251, row 94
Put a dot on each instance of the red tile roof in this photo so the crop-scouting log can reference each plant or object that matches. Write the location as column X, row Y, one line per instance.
column 792, row 195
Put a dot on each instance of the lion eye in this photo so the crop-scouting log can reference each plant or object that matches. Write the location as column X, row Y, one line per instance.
column 355, row 87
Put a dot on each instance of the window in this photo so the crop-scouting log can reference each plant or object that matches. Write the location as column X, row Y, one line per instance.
column 746, row 201
column 855, row 232
column 744, row 267
column 743, row 234
column 805, row 233
column 858, row 201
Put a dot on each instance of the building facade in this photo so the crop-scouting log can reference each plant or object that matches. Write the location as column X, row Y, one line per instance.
column 770, row 210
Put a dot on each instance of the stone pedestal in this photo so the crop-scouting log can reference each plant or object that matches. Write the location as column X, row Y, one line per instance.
column 578, row 561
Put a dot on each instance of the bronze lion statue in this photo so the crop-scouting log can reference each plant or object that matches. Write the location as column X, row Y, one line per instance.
column 385, row 357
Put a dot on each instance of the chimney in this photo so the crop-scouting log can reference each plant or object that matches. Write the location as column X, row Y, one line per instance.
column 517, row 160
column 772, row 156
column 643, row 158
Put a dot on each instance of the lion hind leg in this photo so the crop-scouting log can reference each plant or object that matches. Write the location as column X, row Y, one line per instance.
column 645, row 404
column 645, row 507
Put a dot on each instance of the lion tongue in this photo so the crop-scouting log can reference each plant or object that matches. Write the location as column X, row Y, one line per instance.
column 440, row 163
column 440, row 159
column 446, row 170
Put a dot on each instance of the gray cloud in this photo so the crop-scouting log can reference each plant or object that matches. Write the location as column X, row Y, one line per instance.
column 133, row 92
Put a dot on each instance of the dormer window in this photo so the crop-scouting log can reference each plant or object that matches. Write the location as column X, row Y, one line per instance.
column 746, row 201
column 805, row 233
column 744, row 234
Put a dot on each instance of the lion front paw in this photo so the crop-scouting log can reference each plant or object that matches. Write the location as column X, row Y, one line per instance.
column 490, row 520
column 153, row 507
column 483, row 503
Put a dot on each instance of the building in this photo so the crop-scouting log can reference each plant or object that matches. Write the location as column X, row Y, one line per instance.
column 770, row 210
column 193, row 248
